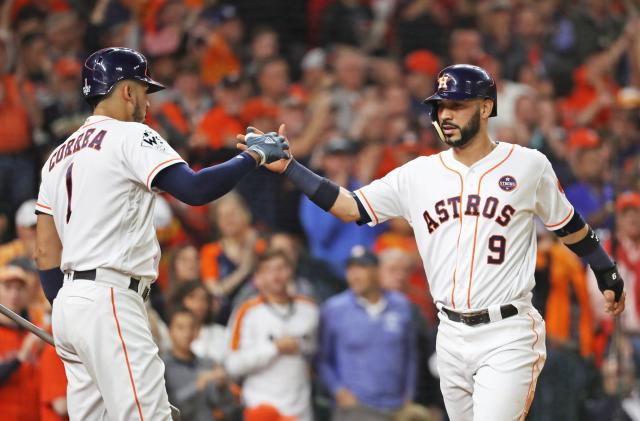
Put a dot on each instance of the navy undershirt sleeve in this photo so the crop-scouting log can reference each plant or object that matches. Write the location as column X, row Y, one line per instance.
column 206, row 185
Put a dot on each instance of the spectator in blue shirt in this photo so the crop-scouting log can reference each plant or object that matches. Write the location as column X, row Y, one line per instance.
column 592, row 194
column 329, row 238
column 367, row 355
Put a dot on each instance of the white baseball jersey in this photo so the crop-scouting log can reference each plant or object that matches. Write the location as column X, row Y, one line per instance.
column 279, row 380
column 97, row 187
column 474, row 226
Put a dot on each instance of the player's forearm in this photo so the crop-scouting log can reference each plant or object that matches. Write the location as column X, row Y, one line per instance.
column 48, row 245
column 48, row 256
column 323, row 192
column 206, row 185
column 345, row 207
column 583, row 241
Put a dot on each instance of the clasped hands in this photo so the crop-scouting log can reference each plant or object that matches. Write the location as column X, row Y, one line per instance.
column 271, row 148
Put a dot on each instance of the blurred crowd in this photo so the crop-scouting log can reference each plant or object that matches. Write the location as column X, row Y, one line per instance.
column 268, row 308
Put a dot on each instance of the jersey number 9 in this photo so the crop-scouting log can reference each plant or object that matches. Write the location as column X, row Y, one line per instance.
column 497, row 245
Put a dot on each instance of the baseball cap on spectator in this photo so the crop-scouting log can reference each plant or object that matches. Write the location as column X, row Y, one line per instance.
column 68, row 67
column 583, row 138
column 315, row 58
column 422, row 61
column 265, row 412
column 339, row 145
column 628, row 200
column 362, row 256
column 218, row 15
column 26, row 214
column 13, row 273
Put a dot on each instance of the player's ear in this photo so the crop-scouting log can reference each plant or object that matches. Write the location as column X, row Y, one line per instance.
column 486, row 107
column 127, row 91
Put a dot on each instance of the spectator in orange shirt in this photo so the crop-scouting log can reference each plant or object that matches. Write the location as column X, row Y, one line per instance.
column 591, row 101
column 19, row 369
column 53, row 387
column 219, row 58
column 219, row 126
column 185, row 108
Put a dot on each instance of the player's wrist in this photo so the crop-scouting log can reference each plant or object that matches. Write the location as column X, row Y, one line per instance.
column 320, row 190
column 256, row 155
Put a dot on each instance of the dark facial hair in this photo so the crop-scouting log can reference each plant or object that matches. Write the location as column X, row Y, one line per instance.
column 467, row 132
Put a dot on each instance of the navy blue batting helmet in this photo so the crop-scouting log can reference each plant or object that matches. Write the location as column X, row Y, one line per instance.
column 461, row 82
column 106, row 67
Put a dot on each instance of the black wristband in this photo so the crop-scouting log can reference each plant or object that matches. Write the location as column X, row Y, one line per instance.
column 321, row 191
column 610, row 279
column 326, row 194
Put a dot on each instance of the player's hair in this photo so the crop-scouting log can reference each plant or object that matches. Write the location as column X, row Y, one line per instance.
column 270, row 254
column 180, row 310
column 183, row 290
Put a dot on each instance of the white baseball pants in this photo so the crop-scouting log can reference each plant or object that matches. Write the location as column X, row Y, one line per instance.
column 488, row 372
column 112, row 364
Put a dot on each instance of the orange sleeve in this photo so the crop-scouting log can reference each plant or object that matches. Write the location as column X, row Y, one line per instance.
column 209, row 261
column 237, row 322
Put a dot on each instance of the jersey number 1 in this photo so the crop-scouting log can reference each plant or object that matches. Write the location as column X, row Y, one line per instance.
column 69, row 187
column 498, row 246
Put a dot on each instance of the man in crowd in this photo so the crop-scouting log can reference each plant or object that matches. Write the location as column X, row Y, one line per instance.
column 19, row 350
column 361, row 328
column 272, row 338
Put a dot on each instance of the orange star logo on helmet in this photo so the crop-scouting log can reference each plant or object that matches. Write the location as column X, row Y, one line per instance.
column 443, row 81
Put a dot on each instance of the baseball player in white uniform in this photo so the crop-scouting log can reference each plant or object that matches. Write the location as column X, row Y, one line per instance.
column 472, row 210
column 96, row 238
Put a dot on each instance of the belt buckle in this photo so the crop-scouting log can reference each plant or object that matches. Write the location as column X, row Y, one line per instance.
column 145, row 293
column 471, row 319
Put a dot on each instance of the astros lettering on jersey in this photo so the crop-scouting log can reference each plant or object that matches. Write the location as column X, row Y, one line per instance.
column 474, row 225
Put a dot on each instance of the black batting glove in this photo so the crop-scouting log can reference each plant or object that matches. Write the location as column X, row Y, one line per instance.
column 610, row 279
column 269, row 146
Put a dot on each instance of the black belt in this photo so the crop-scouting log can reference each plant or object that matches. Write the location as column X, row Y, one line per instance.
column 479, row 317
column 134, row 283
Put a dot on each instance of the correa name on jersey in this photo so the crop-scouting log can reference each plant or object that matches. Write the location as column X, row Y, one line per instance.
column 73, row 145
column 448, row 209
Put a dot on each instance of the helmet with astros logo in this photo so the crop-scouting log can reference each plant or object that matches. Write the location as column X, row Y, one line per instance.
column 461, row 82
